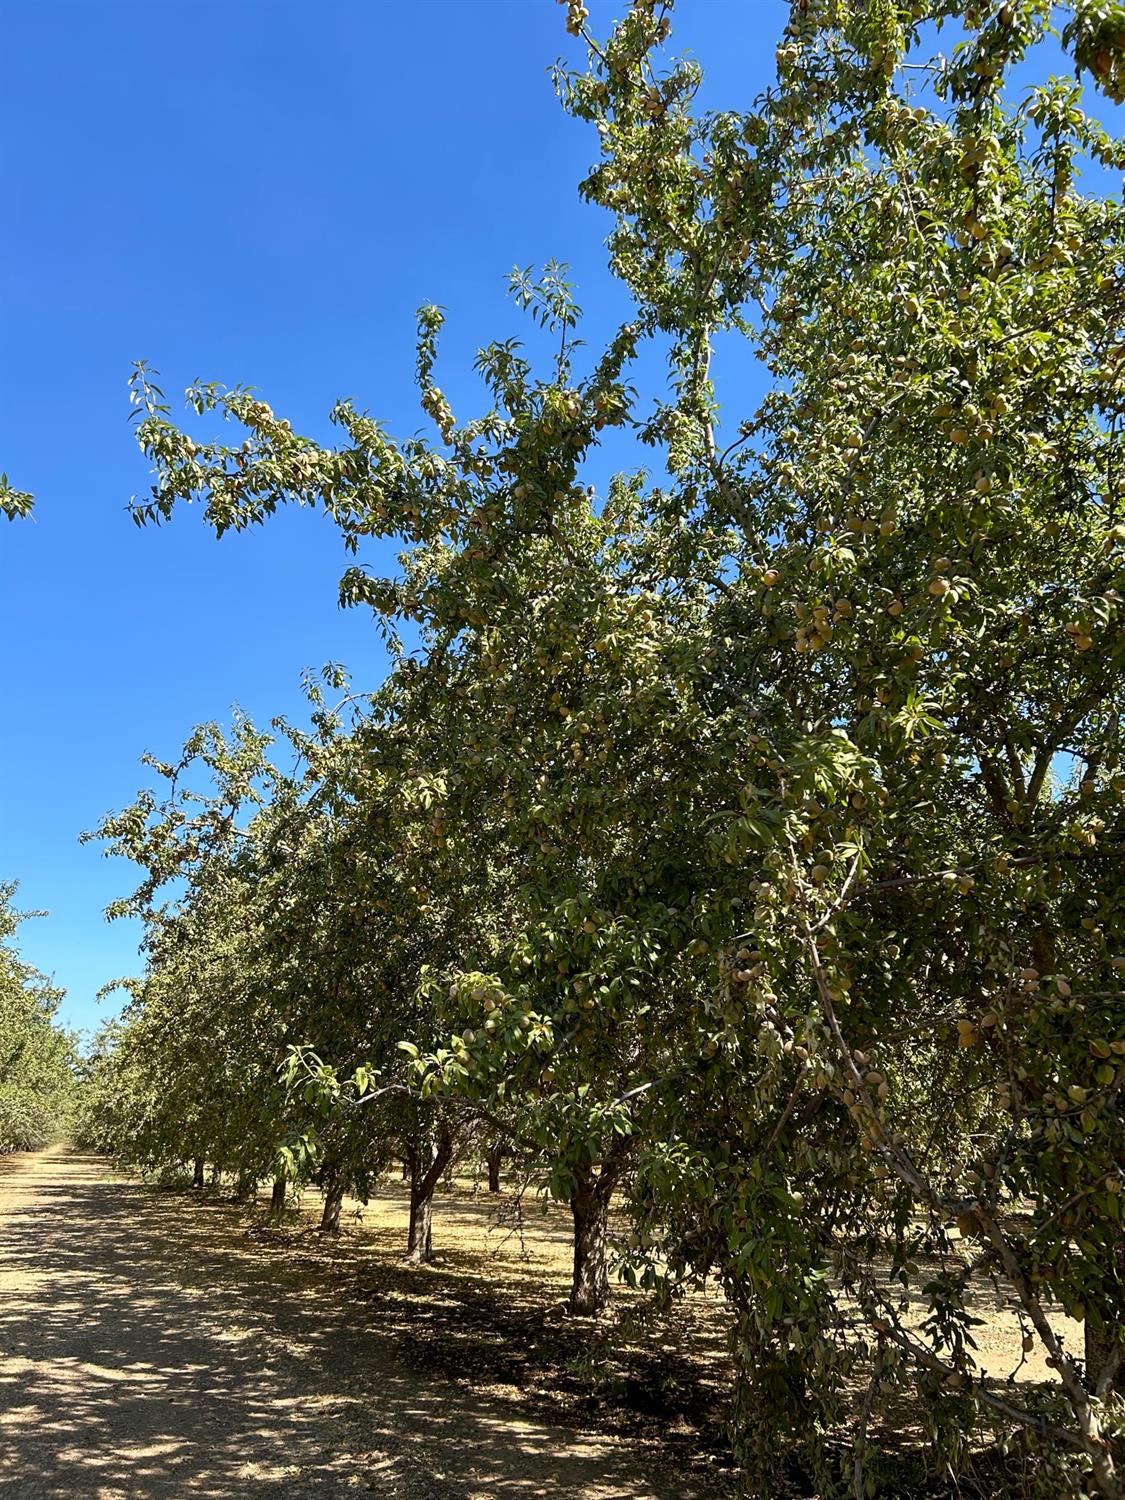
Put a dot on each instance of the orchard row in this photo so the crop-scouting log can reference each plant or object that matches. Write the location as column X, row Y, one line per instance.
column 740, row 842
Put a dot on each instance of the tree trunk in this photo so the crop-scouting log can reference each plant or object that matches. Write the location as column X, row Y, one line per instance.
column 1099, row 1347
column 494, row 1158
column 420, row 1241
column 333, row 1198
column 197, row 1172
column 589, row 1204
column 277, row 1197
column 1104, row 1378
column 428, row 1160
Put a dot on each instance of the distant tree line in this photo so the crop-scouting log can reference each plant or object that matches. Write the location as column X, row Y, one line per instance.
column 38, row 1078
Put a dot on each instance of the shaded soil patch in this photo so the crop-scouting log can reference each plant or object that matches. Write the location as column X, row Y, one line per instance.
column 151, row 1347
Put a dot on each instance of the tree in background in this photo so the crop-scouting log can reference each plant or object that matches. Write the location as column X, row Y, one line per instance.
column 37, row 1059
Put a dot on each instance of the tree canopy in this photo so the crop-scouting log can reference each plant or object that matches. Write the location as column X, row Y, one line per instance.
column 38, row 1078
column 746, row 838
column 13, row 502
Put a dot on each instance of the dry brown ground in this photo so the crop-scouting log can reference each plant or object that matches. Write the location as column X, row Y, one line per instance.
column 163, row 1344
column 476, row 1238
column 150, row 1348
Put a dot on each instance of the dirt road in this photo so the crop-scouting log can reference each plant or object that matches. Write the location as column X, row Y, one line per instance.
column 151, row 1348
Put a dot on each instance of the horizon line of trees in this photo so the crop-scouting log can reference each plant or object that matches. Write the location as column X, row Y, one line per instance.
column 38, row 1059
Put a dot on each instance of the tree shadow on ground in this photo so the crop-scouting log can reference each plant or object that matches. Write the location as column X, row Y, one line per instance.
column 151, row 1349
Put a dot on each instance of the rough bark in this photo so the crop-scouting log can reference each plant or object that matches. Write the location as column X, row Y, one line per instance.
column 494, row 1158
column 1100, row 1346
column 589, row 1206
column 197, row 1172
column 1105, row 1355
column 333, row 1199
column 428, row 1160
column 420, row 1238
column 277, row 1197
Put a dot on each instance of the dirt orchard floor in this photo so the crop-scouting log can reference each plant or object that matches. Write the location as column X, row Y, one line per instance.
column 166, row 1343
column 150, row 1346
column 522, row 1241
column 489, row 1315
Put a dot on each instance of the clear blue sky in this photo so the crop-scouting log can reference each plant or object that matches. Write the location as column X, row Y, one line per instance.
column 258, row 191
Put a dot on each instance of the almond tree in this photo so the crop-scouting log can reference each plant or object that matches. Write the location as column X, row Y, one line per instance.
column 793, row 781
column 923, row 594
column 38, row 1080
